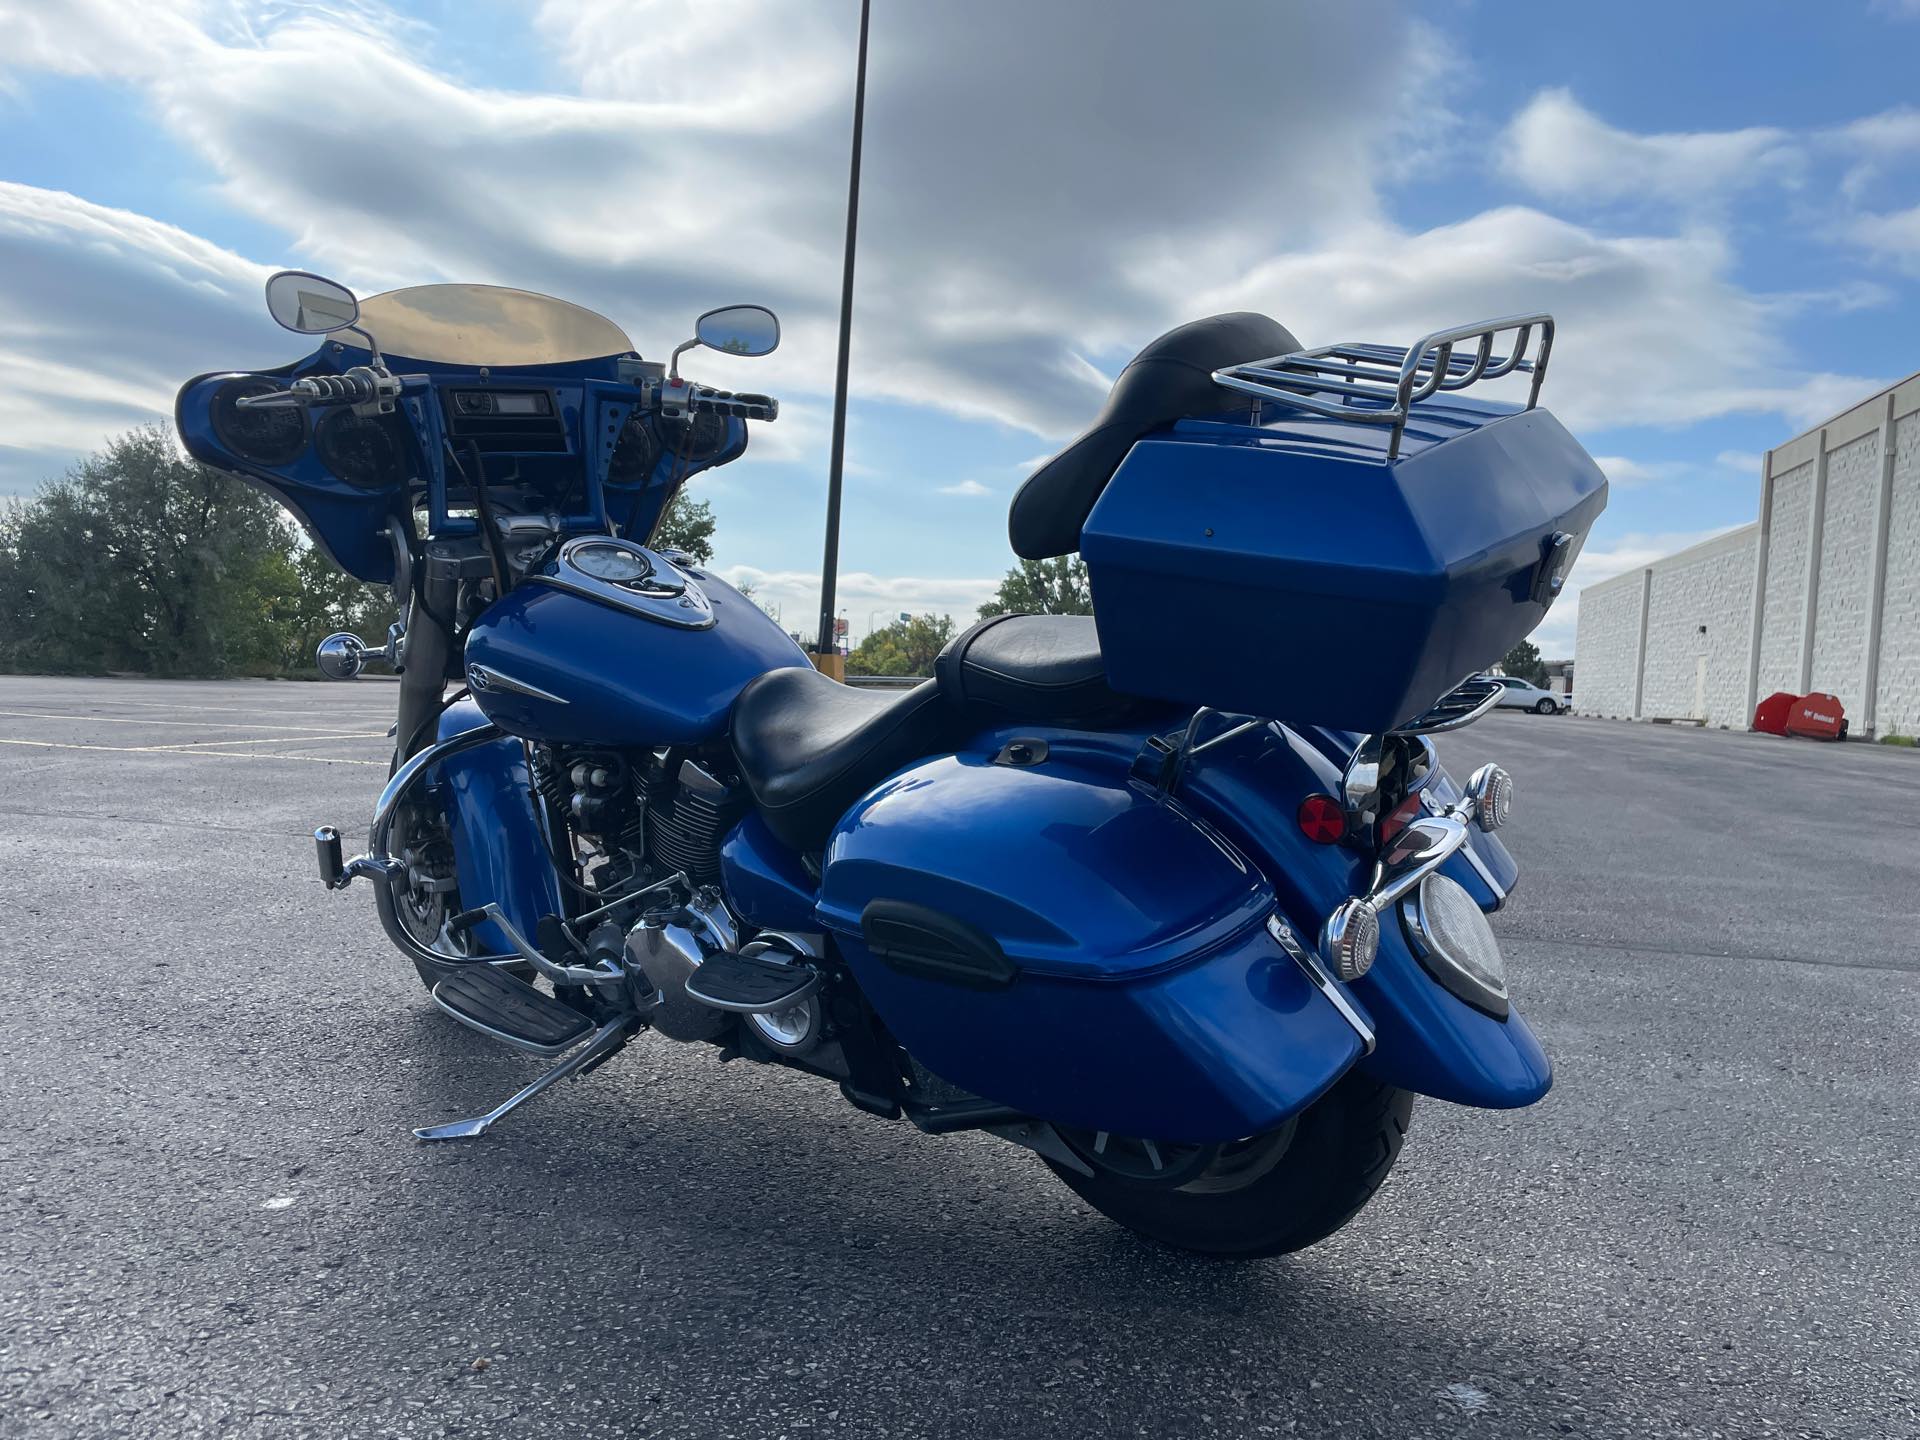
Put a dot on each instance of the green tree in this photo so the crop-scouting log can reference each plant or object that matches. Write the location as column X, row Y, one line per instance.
column 686, row 525
column 906, row 647
column 1044, row 587
column 321, row 599
column 1523, row 663
column 139, row 559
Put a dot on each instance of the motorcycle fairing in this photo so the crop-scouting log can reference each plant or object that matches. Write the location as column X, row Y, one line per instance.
column 347, row 521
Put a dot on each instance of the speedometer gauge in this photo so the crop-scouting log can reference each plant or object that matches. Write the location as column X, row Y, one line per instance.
column 615, row 564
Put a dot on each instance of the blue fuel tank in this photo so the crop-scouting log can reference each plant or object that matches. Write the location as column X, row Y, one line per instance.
column 612, row 644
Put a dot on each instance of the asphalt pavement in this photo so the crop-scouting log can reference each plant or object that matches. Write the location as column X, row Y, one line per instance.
column 214, row 1220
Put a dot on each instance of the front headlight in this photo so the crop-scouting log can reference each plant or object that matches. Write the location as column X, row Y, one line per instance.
column 1452, row 939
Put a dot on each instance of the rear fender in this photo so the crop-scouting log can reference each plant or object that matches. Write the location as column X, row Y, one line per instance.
column 1428, row 1040
column 499, row 849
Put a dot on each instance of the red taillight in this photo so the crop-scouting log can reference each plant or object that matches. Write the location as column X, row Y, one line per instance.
column 1322, row 820
column 1403, row 815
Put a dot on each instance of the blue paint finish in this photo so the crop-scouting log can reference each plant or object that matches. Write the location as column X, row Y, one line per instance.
column 499, row 851
column 625, row 680
column 1339, row 587
column 1428, row 1040
column 348, row 523
column 765, row 882
column 1150, row 1000
column 1227, row 1046
column 1013, row 862
column 1433, row 1043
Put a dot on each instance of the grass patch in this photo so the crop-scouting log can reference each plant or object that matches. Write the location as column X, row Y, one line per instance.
column 1907, row 741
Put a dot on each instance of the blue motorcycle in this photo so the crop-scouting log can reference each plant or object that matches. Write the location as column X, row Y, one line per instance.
column 1176, row 895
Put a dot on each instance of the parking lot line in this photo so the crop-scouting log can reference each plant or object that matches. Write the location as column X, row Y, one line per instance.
column 312, row 730
column 179, row 753
column 274, row 740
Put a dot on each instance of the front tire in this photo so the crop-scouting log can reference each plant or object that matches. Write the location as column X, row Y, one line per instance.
column 1274, row 1193
column 1545, row 707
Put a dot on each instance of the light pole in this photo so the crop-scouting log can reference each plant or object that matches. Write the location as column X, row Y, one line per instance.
column 830, row 563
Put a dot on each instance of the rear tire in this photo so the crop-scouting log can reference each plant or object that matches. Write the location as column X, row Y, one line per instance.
column 1251, row 1201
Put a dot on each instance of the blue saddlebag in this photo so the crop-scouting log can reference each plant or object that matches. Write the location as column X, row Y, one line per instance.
column 1052, row 938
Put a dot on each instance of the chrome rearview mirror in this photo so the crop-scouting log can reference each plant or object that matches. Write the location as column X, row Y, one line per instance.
column 310, row 304
column 733, row 330
column 739, row 330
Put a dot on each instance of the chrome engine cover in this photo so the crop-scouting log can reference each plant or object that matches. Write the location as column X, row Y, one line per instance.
column 668, row 947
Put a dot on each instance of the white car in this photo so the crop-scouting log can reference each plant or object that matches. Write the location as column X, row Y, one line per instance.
column 1522, row 695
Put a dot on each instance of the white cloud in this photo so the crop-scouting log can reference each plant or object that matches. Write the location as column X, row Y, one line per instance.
column 105, row 314
column 1892, row 237
column 869, row 600
column 972, row 488
column 1630, row 474
column 653, row 192
column 1652, row 328
column 1559, row 148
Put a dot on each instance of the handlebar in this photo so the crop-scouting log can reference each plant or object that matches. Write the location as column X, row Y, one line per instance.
column 362, row 385
column 687, row 397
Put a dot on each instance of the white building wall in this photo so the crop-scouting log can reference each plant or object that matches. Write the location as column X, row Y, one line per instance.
column 1699, row 630
column 1607, row 646
column 1846, row 569
column 1822, row 594
column 1897, row 708
column 1783, row 608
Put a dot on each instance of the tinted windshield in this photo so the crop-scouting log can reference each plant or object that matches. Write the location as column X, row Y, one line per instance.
column 487, row 325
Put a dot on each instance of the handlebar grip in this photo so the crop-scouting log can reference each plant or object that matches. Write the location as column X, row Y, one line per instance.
column 349, row 389
column 725, row 402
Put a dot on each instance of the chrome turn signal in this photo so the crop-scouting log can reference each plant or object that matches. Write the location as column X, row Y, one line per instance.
column 1491, row 790
column 1351, row 938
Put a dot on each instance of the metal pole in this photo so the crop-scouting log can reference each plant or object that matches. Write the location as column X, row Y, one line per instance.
column 830, row 564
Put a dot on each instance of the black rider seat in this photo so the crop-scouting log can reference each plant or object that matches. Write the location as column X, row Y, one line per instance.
column 808, row 746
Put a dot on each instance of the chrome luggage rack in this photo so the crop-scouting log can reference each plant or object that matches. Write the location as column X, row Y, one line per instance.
column 1388, row 381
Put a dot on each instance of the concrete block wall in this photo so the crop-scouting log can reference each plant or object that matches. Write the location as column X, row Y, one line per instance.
column 1822, row 593
column 1846, row 571
column 1897, row 694
column 1606, row 647
column 1783, row 603
column 1698, row 632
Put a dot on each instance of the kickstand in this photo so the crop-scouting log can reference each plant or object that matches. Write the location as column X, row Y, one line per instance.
column 607, row 1039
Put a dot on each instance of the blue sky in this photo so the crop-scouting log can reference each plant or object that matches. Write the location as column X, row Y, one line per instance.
column 1720, row 202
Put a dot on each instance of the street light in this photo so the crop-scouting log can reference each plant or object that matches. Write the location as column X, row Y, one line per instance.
column 830, row 563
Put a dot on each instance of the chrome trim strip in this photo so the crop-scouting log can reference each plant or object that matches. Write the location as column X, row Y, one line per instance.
column 1317, row 976
column 1480, row 869
column 485, row 680
column 1446, row 713
column 404, row 777
column 676, row 600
